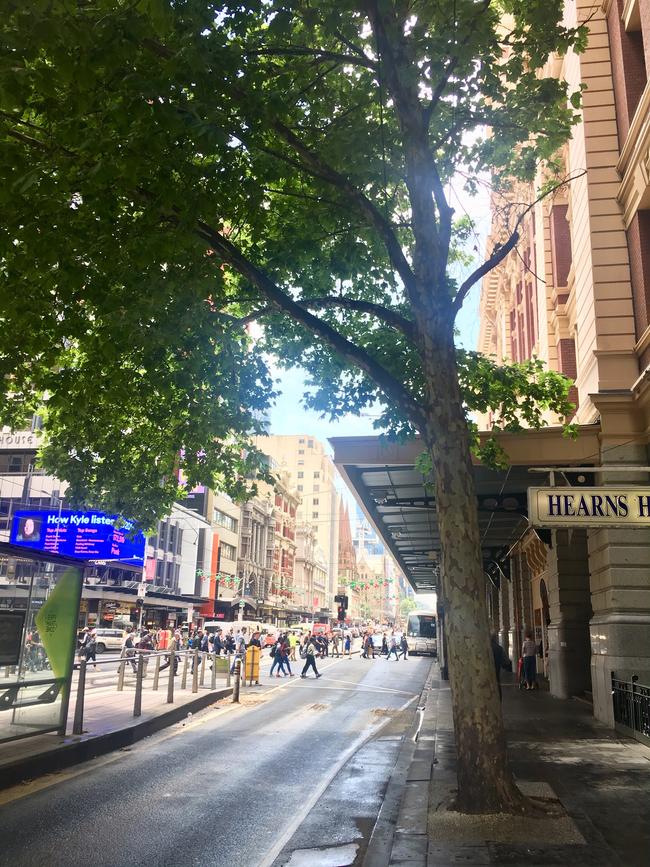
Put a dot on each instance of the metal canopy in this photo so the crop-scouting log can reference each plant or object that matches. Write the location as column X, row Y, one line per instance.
column 394, row 498
column 403, row 511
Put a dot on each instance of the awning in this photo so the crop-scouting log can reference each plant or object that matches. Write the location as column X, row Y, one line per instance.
column 394, row 498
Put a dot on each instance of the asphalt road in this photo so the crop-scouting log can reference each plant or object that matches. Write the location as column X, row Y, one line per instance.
column 297, row 768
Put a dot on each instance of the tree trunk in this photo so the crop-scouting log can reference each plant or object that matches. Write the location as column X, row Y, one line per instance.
column 485, row 783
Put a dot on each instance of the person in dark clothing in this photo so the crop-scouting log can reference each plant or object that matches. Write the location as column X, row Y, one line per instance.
column 310, row 659
column 500, row 660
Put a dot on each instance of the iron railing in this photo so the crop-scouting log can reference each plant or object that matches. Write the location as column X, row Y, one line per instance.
column 631, row 701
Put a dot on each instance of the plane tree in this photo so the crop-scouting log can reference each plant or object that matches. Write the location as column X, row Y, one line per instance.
column 191, row 188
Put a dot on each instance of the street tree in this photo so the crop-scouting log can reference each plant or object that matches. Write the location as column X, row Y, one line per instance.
column 175, row 170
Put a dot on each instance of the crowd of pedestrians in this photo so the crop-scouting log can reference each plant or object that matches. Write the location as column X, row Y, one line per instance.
column 394, row 644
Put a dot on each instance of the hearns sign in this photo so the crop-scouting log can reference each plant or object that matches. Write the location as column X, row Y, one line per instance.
column 589, row 507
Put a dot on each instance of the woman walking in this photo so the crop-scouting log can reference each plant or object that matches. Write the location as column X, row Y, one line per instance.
column 529, row 653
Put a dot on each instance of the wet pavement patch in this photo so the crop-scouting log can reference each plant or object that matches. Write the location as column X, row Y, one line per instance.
column 337, row 856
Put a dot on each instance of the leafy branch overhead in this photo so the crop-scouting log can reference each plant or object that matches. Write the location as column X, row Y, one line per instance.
column 174, row 170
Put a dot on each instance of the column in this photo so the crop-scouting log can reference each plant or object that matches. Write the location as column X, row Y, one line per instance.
column 567, row 581
column 504, row 615
column 619, row 564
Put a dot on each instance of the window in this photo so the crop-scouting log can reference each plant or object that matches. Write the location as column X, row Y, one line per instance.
column 301, row 442
column 228, row 551
column 301, row 451
column 314, row 514
column 316, row 501
column 300, row 487
column 310, row 444
column 316, row 488
column 225, row 521
column 301, row 463
column 317, row 474
column 301, row 474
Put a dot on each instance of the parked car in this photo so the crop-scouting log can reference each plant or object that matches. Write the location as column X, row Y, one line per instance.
column 109, row 639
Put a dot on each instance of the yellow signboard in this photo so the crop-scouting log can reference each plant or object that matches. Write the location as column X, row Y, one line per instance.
column 252, row 665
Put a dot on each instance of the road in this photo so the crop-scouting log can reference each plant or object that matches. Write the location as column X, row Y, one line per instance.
column 242, row 786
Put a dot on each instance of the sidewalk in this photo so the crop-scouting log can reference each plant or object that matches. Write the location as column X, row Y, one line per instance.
column 558, row 752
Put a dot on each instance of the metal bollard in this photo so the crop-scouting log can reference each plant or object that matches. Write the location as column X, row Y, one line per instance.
column 228, row 675
column 195, row 671
column 78, row 724
column 120, row 671
column 213, row 684
column 235, row 689
column 243, row 668
column 137, row 702
column 156, row 674
column 172, row 665
column 204, row 656
column 184, row 676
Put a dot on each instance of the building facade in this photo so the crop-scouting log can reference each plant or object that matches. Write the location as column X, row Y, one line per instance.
column 577, row 294
column 312, row 473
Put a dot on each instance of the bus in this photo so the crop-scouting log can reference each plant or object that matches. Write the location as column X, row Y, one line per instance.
column 422, row 633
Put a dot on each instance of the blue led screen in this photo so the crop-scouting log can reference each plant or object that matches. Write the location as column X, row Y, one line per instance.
column 81, row 535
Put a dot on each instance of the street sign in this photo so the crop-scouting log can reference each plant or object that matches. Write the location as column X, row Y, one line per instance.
column 142, row 590
column 242, row 603
column 259, row 602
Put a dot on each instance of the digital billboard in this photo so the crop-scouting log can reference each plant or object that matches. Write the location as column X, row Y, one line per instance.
column 79, row 535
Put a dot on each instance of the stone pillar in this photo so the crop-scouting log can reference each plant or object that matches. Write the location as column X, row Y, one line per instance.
column 567, row 580
column 619, row 565
column 505, row 590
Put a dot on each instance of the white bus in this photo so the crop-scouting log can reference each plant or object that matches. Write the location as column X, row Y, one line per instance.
column 422, row 632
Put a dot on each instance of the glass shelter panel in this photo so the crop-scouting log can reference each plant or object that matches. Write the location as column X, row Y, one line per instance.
column 39, row 605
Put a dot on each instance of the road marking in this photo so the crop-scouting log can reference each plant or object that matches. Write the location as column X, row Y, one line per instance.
column 313, row 800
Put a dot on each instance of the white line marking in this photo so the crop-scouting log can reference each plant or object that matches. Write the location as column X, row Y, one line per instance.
column 313, row 799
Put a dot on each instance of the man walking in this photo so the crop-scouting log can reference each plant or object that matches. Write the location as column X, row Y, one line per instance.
column 310, row 658
column 392, row 648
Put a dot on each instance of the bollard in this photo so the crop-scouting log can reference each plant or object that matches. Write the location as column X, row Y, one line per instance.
column 243, row 668
column 172, row 665
column 137, row 702
column 204, row 656
column 78, row 724
column 195, row 671
column 228, row 670
column 213, row 684
column 184, row 677
column 156, row 674
column 235, row 689
column 120, row 670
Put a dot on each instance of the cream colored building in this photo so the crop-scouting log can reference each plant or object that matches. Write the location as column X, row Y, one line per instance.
column 312, row 472
column 577, row 294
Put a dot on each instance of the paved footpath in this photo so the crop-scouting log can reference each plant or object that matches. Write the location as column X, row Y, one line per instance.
column 558, row 753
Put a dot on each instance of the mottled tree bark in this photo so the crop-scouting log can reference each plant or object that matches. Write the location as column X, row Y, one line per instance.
column 485, row 783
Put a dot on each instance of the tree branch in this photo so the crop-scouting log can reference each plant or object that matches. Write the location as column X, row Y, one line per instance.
column 501, row 250
column 392, row 388
column 318, row 55
column 316, row 166
column 385, row 314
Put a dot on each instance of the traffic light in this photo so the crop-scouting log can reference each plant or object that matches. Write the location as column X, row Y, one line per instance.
column 341, row 614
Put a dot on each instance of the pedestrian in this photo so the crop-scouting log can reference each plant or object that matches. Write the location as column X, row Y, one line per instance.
column 529, row 653
column 83, row 641
column 284, row 650
column 310, row 658
column 218, row 643
column 369, row 647
column 384, row 646
column 392, row 648
column 90, row 649
column 293, row 644
column 240, row 648
column 404, row 646
column 335, row 645
column 347, row 646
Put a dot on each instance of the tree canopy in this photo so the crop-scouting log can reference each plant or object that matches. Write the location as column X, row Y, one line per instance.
column 175, row 169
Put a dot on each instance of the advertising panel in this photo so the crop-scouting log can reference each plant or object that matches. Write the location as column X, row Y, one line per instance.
column 79, row 535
